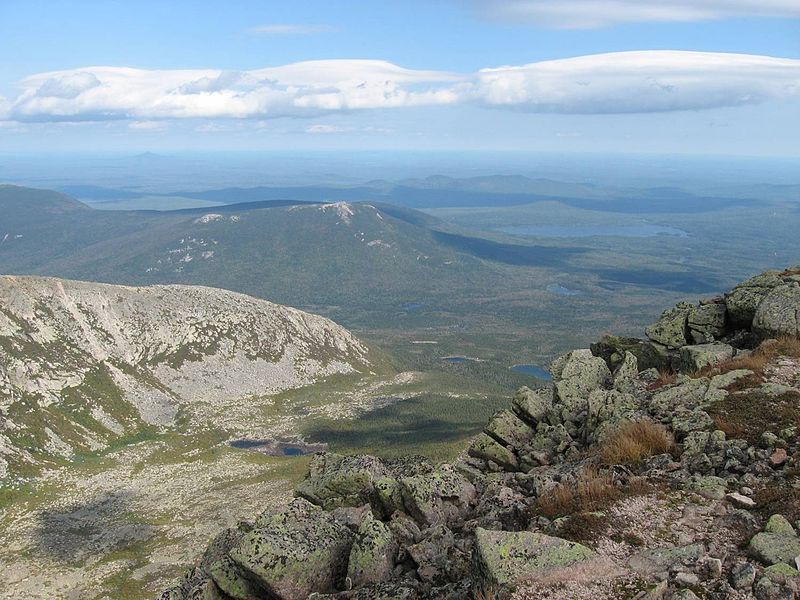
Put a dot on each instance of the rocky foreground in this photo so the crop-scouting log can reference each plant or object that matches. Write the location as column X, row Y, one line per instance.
column 657, row 468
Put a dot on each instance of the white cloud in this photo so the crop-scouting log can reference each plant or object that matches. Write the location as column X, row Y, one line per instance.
column 586, row 14
column 291, row 29
column 297, row 89
column 624, row 82
column 638, row 82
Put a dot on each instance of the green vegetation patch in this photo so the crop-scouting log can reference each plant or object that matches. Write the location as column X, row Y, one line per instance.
column 433, row 425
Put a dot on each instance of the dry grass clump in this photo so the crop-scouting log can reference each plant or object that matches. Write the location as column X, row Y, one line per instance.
column 664, row 379
column 730, row 428
column 786, row 345
column 757, row 361
column 592, row 490
column 634, row 442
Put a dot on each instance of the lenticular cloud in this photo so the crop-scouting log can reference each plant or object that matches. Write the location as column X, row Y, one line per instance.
column 624, row 82
column 639, row 82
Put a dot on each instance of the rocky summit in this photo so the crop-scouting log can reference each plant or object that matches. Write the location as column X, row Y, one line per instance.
column 85, row 364
column 663, row 467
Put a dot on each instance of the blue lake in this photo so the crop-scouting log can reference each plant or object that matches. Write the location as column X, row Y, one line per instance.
column 293, row 452
column 565, row 231
column 534, row 370
column 457, row 359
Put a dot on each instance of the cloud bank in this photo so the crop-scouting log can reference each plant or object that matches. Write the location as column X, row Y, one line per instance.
column 624, row 82
column 588, row 14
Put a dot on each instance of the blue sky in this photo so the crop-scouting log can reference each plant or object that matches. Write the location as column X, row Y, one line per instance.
column 223, row 75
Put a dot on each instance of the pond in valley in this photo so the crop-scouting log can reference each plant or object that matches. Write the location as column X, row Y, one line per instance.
column 534, row 370
column 273, row 447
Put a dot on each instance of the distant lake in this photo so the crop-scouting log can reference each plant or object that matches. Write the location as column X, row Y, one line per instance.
column 534, row 370
column 564, row 231
column 555, row 288
column 458, row 359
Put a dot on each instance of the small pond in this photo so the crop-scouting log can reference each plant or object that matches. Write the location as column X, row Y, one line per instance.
column 272, row 447
column 533, row 370
column 459, row 359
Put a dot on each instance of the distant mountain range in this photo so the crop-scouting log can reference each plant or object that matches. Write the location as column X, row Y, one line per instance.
column 440, row 191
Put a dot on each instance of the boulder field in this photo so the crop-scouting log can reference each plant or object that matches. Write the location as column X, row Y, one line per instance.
column 663, row 467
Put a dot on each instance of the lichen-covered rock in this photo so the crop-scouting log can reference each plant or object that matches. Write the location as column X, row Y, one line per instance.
column 575, row 375
column 235, row 581
column 607, row 409
column 335, row 480
column 779, row 524
column 442, row 497
column 488, row 448
column 671, row 329
column 778, row 314
column 612, row 349
column 434, row 555
column 687, row 421
column 700, row 356
column 743, row 300
column 774, row 548
column 684, row 594
column 655, row 562
column 688, row 394
column 626, row 373
column 707, row 322
column 294, row 553
column 389, row 496
column 208, row 590
column 501, row 507
column 709, row 486
column 509, row 430
column 533, row 406
column 742, row 575
column 511, row 558
column 778, row 582
column 372, row 554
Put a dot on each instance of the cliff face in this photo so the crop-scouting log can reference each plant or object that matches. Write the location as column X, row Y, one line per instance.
column 82, row 364
column 618, row 481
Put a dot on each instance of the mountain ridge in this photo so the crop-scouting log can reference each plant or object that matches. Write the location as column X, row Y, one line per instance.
column 82, row 363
